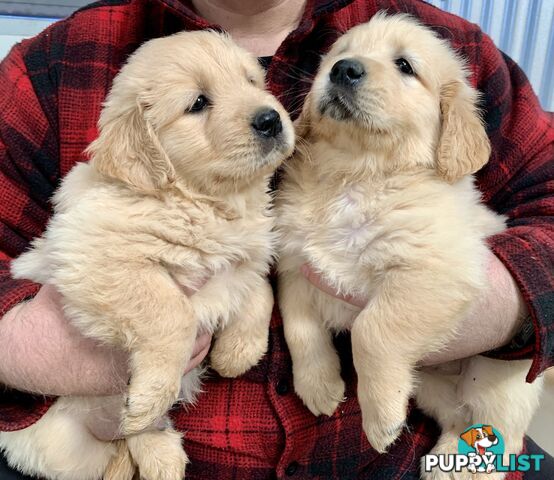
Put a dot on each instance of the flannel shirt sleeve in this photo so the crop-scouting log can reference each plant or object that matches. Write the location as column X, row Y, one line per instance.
column 28, row 171
column 519, row 183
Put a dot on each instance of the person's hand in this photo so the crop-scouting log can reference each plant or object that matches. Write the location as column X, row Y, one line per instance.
column 492, row 321
column 41, row 352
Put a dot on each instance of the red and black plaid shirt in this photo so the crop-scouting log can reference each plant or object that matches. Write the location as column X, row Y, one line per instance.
column 254, row 427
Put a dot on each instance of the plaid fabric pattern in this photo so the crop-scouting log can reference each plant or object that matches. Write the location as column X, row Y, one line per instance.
column 254, row 427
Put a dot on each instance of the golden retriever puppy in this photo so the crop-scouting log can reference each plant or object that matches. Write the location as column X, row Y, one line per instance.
column 380, row 199
column 176, row 191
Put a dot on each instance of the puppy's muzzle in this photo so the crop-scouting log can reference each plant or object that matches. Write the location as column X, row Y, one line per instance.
column 340, row 99
column 267, row 123
column 347, row 73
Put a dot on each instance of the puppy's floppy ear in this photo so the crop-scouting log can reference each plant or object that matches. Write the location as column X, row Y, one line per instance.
column 469, row 437
column 128, row 149
column 463, row 146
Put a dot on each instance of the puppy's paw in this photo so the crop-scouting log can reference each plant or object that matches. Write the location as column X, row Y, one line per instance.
column 233, row 354
column 383, row 397
column 437, row 474
column 447, row 444
column 382, row 435
column 159, row 455
column 121, row 466
column 321, row 390
column 146, row 403
column 383, row 421
column 492, row 475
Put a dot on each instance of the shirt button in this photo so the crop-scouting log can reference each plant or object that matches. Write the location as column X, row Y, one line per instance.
column 291, row 469
column 282, row 387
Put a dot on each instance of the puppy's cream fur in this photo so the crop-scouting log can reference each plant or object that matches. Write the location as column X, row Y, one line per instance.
column 170, row 197
column 380, row 199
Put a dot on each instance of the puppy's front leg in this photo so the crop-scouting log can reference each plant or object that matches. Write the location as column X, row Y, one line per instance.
column 496, row 393
column 243, row 342
column 161, row 329
column 158, row 454
column 437, row 396
column 408, row 316
column 315, row 363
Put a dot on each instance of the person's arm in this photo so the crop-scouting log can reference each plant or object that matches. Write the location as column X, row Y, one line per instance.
column 518, row 182
column 28, row 174
column 43, row 353
column 490, row 324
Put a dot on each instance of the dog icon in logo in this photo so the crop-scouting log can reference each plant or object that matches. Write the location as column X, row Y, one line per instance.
column 480, row 439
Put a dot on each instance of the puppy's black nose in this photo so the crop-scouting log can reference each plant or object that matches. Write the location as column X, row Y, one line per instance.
column 492, row 438
column 267, row 123
column 347, row 72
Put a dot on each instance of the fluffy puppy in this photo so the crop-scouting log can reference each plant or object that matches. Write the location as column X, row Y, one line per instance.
column 380, row 199
column 176, row 190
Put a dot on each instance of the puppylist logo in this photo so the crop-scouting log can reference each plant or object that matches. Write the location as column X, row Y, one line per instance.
column 481, row 450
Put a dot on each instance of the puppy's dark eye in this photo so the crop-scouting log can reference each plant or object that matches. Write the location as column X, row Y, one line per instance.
column 404, row 66
column 199, row 104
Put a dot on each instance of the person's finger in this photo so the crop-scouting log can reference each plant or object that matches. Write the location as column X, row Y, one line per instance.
column 317, row 281
column 201, row 343
column 50, row 293
column 198, row 358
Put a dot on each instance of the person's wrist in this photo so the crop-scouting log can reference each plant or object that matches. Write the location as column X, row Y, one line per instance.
column 40, row 352
column 6, row 336
column 503, row 299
